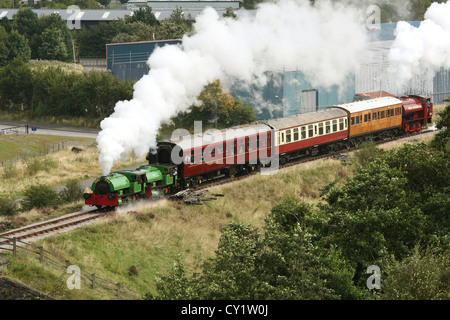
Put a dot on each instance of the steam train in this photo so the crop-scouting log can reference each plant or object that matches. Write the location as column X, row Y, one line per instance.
column 188, row 161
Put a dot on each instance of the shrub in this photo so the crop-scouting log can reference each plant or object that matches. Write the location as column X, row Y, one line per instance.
column 7, row 207
column 36, row 164
column 10, row 171
column 72, row 192
column 39, row 196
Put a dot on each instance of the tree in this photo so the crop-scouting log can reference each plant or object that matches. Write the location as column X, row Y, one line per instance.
column 16, row 80
column 241, row 113
column 423, row 275
column 177, row 16
column 394, row 203
column 4, row 44
column 50, row 22
column 53, row 45
column 215, row 102
column 96, row 93
column 5, row 23
column 441, row 140
column 280, row 263
column 26, row 22
column 229, row 13
column 144, row 15
column 18, row 46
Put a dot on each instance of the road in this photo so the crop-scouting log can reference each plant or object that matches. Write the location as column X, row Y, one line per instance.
column 47, row 129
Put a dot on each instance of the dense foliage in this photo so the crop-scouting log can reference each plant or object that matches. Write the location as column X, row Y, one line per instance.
column 392, row 214
column 31, row 37
column 441, row 140
column 217, row 109
column 55, row 92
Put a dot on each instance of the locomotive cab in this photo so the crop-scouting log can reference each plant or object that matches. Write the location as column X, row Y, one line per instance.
column 169, row 156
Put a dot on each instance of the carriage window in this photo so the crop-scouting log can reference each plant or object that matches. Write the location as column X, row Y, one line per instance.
column 334, row 125
column 190, row 159
column 341, row 124
column 374, row 116
column 320, row 129
column 296, row 134
column 365, row 118
column 263, row 140
column 203, row 154
column 357, row 120
column 212, row 151
column 303, row 132
column 288, row 136
column 230, row 148
column 382, row 114
column 251, row 143
column 241, row 144
column 310, row 131
column 327, row 127
column 345, row 121
column 352, row 121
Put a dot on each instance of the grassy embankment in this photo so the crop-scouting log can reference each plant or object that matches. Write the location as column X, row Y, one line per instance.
column 111, row 246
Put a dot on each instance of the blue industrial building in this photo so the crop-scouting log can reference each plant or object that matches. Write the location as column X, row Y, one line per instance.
column 128, row 61
column 288, row 92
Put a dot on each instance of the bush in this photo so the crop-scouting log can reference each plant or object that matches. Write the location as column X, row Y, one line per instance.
column 72, row 192
column 10, row 171
column 36, row 164
column 7, row 207
column 421, row 276
column 39, row 196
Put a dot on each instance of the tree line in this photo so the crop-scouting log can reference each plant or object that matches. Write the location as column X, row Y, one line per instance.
column 55, row 92
column 392, row 215
column 31, row 37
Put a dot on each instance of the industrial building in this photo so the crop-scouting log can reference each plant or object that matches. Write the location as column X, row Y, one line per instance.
column 288, row 92
column 128, row 61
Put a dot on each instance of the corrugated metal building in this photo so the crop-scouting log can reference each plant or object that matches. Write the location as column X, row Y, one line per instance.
column 287, row 91
column 128, row 61
column 374, row 76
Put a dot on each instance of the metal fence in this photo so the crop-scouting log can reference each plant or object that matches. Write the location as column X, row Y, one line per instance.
column 15, row 130
column 93, row 281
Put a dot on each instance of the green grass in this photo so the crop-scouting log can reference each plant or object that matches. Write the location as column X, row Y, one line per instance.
column 23, row 146
column 109, row 247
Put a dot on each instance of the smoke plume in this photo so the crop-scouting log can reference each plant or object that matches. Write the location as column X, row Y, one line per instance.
column 421, row 50
column 323, row 40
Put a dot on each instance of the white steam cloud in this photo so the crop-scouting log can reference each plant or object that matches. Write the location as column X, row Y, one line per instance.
column 324, row 41
column 421, row 50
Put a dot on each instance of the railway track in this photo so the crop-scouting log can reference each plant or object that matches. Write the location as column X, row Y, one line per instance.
column 69, row 221
column 39, row 229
